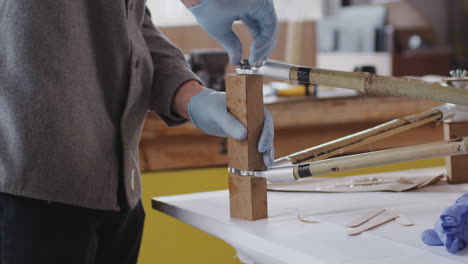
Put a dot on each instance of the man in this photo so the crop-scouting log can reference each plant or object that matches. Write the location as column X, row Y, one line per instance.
column 76, row 80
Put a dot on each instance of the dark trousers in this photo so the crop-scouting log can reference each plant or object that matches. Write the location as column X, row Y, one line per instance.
column 35, row 231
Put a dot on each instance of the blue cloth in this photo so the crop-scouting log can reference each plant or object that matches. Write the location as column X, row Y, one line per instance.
column 217, row 16
column 208, row 111
column 451, row 229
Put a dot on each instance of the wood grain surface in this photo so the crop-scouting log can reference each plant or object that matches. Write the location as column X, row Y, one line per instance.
column 457, row 166
column 247, row 194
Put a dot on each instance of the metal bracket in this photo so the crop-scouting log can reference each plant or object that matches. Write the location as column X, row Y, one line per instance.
column 274, row 174
column 270, row 68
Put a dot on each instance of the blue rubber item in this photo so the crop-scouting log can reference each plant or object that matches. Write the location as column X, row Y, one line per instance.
column 216, row 17
column 451, row 230
column 208, row 112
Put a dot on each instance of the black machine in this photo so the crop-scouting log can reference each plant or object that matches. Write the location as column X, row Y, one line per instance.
column 210, row 65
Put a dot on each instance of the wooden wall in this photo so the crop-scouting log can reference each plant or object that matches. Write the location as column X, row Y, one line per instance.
column 193, row 37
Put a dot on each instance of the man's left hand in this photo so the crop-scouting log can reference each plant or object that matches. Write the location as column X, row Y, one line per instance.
column 208, row 111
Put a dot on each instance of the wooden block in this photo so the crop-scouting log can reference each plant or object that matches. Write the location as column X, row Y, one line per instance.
column 245, row 102
column 248, row 195
column 457, row 166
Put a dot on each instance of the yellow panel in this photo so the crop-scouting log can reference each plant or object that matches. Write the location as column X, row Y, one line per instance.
column 393, row 167
column 167, row 240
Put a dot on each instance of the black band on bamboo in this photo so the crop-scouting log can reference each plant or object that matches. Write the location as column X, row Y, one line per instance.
column 303, row 171
column 303, row 75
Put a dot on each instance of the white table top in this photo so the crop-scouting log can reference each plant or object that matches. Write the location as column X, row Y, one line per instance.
column 282, row 238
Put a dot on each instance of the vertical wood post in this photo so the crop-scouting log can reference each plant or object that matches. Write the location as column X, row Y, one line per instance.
column 247, row 195
column 457, row 166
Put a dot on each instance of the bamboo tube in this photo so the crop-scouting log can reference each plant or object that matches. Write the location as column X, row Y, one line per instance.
column 373, row 84
column 339, row 146
column 366, row 160
column 362, row 82
column 371, row 159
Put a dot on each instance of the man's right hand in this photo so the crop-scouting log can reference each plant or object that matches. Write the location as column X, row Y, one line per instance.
column 217, row 17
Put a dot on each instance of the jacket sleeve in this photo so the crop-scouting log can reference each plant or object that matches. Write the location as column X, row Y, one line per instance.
column 171, row 70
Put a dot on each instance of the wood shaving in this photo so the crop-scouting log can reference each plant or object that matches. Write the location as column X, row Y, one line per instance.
column 307, row 221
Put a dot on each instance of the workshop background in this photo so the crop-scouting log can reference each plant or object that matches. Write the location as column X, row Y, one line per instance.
column 401, row 38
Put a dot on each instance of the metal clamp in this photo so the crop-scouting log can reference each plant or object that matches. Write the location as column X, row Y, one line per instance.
column 270, row 68
column 273, row 175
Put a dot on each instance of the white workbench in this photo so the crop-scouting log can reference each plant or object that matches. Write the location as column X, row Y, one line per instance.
column 282, row 238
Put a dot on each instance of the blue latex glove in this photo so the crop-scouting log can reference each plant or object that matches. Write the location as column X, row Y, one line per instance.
column 217, row 16
column 208, row 111
column 451, row 229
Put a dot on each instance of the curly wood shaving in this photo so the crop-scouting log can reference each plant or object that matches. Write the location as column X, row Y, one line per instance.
column 307, row 221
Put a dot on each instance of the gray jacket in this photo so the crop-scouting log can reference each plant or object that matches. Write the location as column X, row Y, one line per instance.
column 77, row 78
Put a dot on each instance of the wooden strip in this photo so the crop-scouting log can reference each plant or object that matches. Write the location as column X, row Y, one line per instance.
column 307, row 221
column 385, row 218
column 341, row 145
column 364, row 218
column 457, row 167
column 432, row 180
column 245, row 102
column 404, row 220
column 294, row 42
column 248, row 195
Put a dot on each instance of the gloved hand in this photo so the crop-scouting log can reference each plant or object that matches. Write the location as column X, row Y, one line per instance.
column 217, row 16
column 208, row 111
column 451, row 229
